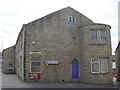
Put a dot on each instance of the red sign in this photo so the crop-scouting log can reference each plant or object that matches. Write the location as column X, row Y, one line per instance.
column 34, row 75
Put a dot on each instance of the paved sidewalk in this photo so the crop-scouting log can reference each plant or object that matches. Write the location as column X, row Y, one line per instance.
column 13, row 81
column 0, row 80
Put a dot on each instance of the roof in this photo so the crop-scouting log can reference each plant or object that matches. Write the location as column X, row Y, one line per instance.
column 118, row 45
column 8, row 48
column 96, row 24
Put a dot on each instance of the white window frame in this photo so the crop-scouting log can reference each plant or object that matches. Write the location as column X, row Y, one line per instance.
column 102, row 61
column 93, row 63
column 31, row 66
column 71, row 20
column 100, row 65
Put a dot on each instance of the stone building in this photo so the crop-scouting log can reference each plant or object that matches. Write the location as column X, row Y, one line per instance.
column 0, row 61
column 8, row 60
column 117, row 53
column 64, row 46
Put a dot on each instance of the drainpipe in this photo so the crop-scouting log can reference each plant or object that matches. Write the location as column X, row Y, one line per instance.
column 24, row 64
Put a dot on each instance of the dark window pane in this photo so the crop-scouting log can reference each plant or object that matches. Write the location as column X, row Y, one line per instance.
column 35, row 63
column 103, row 36
column 36, row 57
column 94, row 36
column 72, row 19
column 35, row 69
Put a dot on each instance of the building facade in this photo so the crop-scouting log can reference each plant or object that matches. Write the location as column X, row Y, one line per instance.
column 1, row 60
column 117, row 54
column 64, row 46
column 117, row 51
column 8, row 60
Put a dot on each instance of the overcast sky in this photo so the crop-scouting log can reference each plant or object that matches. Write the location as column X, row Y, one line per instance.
column 15, row 13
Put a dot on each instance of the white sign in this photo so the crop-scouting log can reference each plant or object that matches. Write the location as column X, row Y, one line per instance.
column 51, row 62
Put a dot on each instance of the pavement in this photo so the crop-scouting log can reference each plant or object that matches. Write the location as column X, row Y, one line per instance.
column 0, row 80
column 14, row 81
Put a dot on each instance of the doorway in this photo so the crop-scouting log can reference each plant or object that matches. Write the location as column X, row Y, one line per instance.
column 75, row 69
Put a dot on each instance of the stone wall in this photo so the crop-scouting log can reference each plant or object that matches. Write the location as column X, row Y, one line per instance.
column 19, row 53
column 8, row 58
column 53, row 36
column 117, row 54
column 90, row 50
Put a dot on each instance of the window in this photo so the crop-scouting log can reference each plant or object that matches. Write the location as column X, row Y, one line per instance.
column 35, row 67
column 95, row 66
column 21, row 45
column 10, row 70
column 94, row 36
column 74, row 39
column 103, row 36
column 10, row 65
column 21, row 41
column 99, row 65
column 98, row 36
column 104, row 65
column 20, row 63
column 35, row 57
column 72, row 19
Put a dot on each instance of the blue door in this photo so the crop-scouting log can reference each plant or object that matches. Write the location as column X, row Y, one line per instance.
column 74, row 69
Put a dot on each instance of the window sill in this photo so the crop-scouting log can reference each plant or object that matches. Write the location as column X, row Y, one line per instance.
column 35, row 72
column 72, row 23
column 98, row 73
column 98, row 44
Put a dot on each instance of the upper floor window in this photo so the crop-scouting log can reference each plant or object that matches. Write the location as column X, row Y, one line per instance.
column 72, row 19
column 21, row 41
column 98, row 36
column 10, row 65
column 103, row 37
column 94, row 36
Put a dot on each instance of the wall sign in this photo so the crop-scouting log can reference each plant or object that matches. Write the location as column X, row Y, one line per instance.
column 51, row 62
column 35, row 52
column 46, row 65
column 34, row 75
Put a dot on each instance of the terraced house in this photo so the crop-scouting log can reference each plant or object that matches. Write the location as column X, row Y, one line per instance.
column 64, row 46
column 8, row 60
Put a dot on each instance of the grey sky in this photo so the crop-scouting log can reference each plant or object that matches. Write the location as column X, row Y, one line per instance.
column 15, row 13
